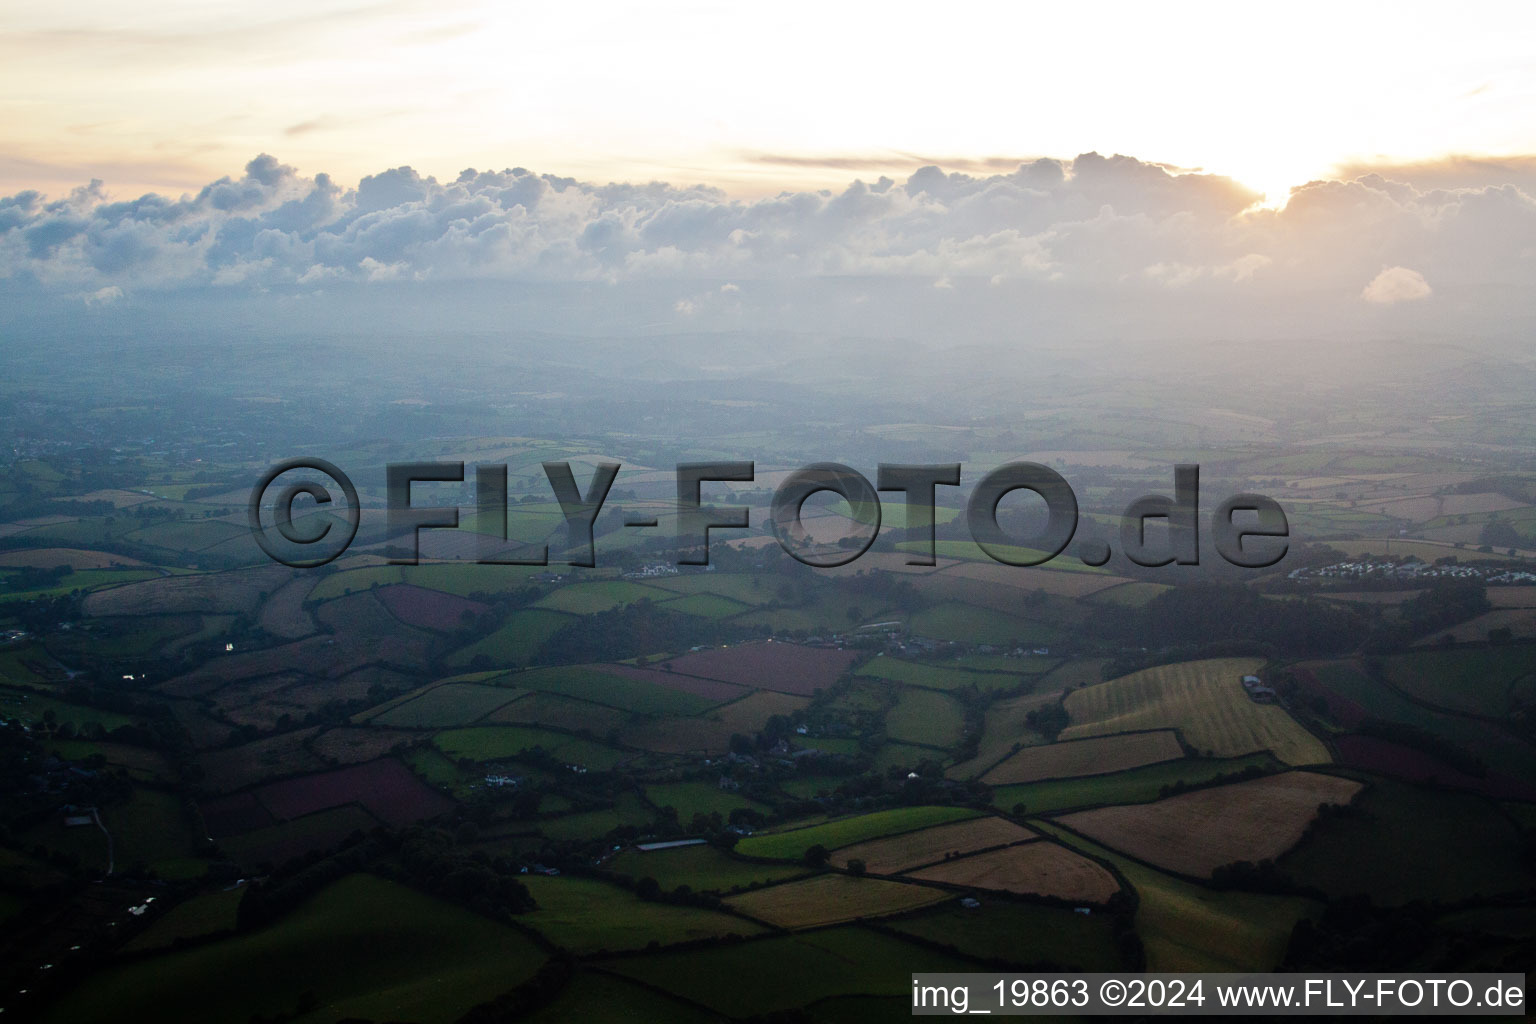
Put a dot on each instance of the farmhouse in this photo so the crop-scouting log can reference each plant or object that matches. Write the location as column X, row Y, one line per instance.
column 1258, row 692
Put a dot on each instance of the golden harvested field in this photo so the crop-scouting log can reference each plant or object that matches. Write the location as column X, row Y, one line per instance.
column 1042, row 868
column 1204, row 700
column 898, row 853
column 1094, row 756
column 1195, row 833
column 833, row 899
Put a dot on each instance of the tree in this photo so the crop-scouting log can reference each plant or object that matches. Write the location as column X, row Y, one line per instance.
column 816, row 856
column 856, row 866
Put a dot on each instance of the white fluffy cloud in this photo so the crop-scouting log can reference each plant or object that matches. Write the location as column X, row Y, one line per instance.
column 1394, row 285
column 1085, row 234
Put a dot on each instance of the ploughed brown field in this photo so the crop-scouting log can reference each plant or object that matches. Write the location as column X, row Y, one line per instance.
column 430, row 609
column 1042, row 868
column 1195, row 833
column 788, row 668
column 712, row 730
column 914, row 849
column 1094, row 756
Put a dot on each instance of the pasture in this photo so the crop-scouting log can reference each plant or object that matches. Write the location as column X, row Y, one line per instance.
column 1095, row 756
column 702, row 868
column 1443, row 846
column 947, row 677
column 925, row 718
column 447, row 705
column 1023, row 934
column 1189, row 927
column 593, row 683
column 1204, row 700
column 516, row 641
column 209, row 913
column 284, row 841
column 362, row 948
column 744, row 979
column 1474, row 682
column 952, row 620
column 494, row 742
column 599, row 596
column 690, row 798
column 584, row 915
column 1136, row 785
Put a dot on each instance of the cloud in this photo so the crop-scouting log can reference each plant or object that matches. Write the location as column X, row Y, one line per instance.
column 103, row 296
column 1394, row 285
column 1072, row 241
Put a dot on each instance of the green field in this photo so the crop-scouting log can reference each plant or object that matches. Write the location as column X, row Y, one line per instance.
column 363, row 947
column 1186, row 927
column 277, row 844
column 599, row 596
column 83, row 579
column 970, row 624
column 592, row 996
column 690, row 798
column 968, row 551
column 924, row 717
column 626, row 810
column 945, row 677
column 586, row 916
column 702, row 868
column 1444, row 846
column 593, row 684
column 434, row 766
column 447, row 705
column 1135, row 786
column 792, row 844
column 30, row 707
column 1204, row 700
column 751, row 978
column 745, row 588
column 461, row 579
column 706, row 606
column 1020, row 933
column 518, row 639
column 1473, row 681
column 492, row 742
column 208, row 913
column 1497, row 748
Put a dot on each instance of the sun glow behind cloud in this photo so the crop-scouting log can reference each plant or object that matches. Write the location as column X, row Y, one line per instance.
column 169, row 94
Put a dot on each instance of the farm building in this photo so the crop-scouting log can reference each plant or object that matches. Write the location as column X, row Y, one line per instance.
column 1258, row 692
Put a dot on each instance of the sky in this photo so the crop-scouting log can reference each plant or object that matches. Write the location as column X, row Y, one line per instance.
column 170, row 94
column 1131, row 170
